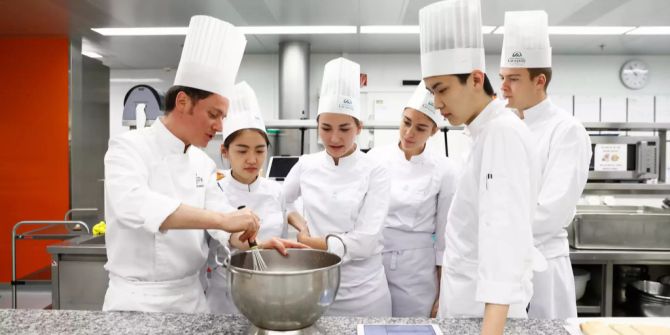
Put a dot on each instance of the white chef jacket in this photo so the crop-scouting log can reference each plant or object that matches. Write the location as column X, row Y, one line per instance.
column 421, row 193
column 148, row 174
column 489, row 255
column 350, row 200
column 564, row 149
column 263, row 197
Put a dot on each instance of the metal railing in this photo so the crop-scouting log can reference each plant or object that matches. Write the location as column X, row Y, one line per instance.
column 34, row 234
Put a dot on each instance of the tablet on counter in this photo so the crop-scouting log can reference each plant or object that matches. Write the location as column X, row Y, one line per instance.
column 400, row 329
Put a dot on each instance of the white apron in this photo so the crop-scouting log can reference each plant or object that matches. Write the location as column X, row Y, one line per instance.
column 176, row 296
column 263, row 196
column 554, row 291
column 351, row 201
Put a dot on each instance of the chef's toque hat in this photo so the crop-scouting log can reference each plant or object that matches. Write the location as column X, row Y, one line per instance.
column 451, row 38
column 526, row 40
column 423, row 101
column 211, row 56
column 341, row 88
column 244, row 112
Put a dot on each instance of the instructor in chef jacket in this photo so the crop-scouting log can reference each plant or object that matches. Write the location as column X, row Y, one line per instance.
column 161, row 188
column 489, row 255
column 565, row 152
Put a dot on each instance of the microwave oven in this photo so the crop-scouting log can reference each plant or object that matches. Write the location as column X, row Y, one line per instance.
column 624, row 158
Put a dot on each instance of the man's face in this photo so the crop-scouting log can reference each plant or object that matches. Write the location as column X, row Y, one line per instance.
column 205, row 119
column 518, row 88
column 454, row 100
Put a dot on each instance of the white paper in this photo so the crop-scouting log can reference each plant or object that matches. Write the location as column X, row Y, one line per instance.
column 587, row 108
column 610, row 157
column 613, row 109
column 563, row 101
column 663, row 108
column 641, row 108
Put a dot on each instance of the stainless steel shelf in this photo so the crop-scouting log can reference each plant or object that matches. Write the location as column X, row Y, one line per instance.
column 311, row 124
column 625, row 126
column 626, row 188
column 582, row 256
column 584, row 309
column 374, row 124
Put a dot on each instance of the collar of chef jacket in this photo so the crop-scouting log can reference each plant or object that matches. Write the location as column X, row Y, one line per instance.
column 479, row 123
column 421, row 158
column 344, row 162
column 537, row 113
column 232, row 182
column 169, row 143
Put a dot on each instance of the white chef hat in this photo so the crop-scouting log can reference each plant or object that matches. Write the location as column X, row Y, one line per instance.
column 244, row 111
column 451, row 38
column 341, row 88
column 526, row 40
column 423, row 101
column 211, row 55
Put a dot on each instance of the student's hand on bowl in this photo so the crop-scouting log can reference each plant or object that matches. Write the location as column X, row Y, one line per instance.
column 281, row 245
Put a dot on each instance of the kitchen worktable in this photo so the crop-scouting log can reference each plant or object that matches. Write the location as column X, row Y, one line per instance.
column 88, row 322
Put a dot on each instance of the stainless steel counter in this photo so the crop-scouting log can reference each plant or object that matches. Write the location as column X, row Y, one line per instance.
column 78, row 276
column 87, row 245
column 626, row 188
column 619, row 256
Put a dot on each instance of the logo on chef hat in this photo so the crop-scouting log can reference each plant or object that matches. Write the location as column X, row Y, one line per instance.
column 429, row 106
column 346, row 104
column 517, row 58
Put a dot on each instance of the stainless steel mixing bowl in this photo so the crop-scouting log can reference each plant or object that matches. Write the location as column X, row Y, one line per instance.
column 291, row 294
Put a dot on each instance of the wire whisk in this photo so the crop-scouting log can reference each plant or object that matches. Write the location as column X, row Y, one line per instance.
column 259, row 263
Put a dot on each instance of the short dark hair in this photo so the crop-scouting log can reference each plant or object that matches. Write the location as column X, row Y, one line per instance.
column 193, row 93
column 356, row 121
column 488, row 89
column 235, row 134
column 536, row 71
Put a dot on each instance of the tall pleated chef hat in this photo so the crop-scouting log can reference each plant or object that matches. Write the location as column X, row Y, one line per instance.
column 341, row 88
column 451, row 38
column 244, row 111
column 211, row 55
column 423, row 102
column 526, row 40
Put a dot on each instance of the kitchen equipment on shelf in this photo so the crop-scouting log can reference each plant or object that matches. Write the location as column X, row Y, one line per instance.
column 582, row 277
column 624, row 158
column 624, row 275
column 293, row 292
column 648, row 298
column 620, row 228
